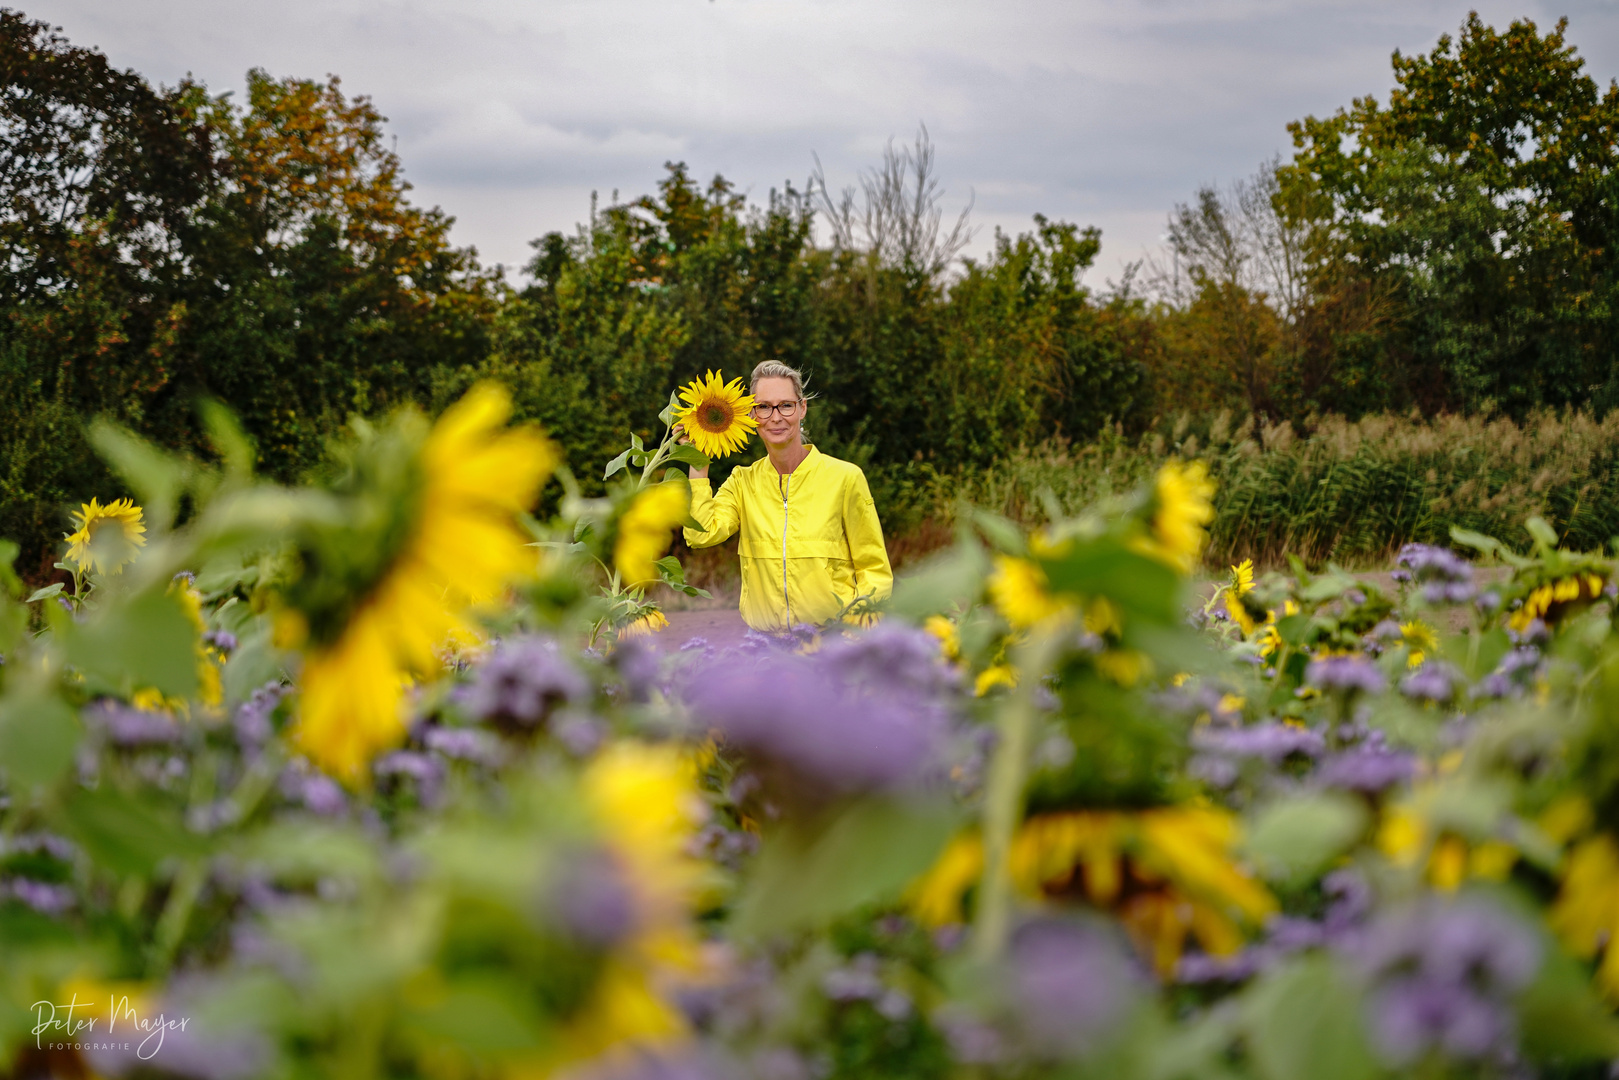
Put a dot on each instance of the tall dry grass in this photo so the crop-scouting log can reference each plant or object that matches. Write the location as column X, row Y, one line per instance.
column 1350, row 491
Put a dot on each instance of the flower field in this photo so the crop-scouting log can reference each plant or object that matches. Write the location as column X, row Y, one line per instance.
column 385, row 777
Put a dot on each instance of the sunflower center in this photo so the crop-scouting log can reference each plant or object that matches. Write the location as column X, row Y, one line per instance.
column 714, row 416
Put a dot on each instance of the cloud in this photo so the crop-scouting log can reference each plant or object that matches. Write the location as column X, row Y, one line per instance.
column 509, row 112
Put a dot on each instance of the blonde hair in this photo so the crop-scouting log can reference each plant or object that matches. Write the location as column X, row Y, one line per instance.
column 775, row 369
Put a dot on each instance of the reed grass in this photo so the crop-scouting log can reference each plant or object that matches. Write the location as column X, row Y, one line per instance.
column 1347, row 491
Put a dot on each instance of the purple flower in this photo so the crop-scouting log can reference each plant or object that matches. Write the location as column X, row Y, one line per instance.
column 674, row 1063
column 1439, row 564
column 1368, row 769
column 462, row 744
column 1448, row 592
column 428, row 772
column 44, row 898
column 592, row 900
column 1442, row 975
column 522, row 682
column 316, row 791
column 834, row 723
column 890, row 655
column 1433, row 681
column 638, row 664
column 1347, row 673
column 1271, row 741
column 223, row 640
column 129, row 726
column 858, row 980
column 252, row 720
column 1068, row 985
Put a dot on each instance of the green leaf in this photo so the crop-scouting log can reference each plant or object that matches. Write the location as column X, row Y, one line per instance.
column 230, row 442
column 670, row 571
column 255, row 662
column 949, row 580
column 149, row 641
column 39, row 734
column 1000, row 532
column 1140, row 585
column 686, row 454
column 46, row 593
column 155, row 476
column 486, row 1014
column 1294, row 630
column 125, row 834
column 1293, row 839
column 1562, row 1018
column 635, row 441
column 617, row 464
column 870, row 851
column 1304, row 1023
column 1545, row 536
column 8, row 572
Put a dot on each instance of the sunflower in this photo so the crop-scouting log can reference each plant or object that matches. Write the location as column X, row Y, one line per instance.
column 1022, row 593
column 460, row 549
column 1586, row 915
column 108, row 537
column 1184, row 508
column 645, row 530
column 652, row 622
column 1166, row 872
column 718, row 416
column 645, row 803
column 1242, row 577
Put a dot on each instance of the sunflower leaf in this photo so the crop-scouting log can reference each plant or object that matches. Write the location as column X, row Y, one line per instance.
column 667, row 416
column 616, row 464
column 46, row 593
column 687, row 454
column 635, row 441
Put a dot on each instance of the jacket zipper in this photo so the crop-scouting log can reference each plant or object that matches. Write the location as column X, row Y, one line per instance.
column 785, row 599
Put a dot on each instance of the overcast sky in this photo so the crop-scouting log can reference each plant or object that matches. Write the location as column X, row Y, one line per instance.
column 1103, row 112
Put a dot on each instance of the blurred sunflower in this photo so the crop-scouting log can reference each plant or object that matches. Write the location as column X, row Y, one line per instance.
column 457, row 548
column 1552, row 601
column 1022, row 594
column 646, row 806
column 1166, row 873
column 1586, row 915
column 108, row 537
column 645, row 530
column 718, row 416
column 652, row 622
column 1183, row 494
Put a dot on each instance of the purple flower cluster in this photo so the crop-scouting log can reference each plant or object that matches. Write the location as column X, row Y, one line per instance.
column 1512, row 675
column 252, row 720
column 1370, row 768
column 128, row 726
column 1067, row 985
column 1446, row 577
column 592, row 901
column 1350, row 901
column 864, row 714
column 1443, row 975
column 1350, row 674
column 861, row 980
column 1271, row 741
column 523, row 682
column 1433, row 681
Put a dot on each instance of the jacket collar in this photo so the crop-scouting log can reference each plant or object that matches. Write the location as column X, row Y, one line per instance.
column 811, row 460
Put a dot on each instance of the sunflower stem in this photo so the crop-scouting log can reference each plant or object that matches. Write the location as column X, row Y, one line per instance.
column 1003, row 797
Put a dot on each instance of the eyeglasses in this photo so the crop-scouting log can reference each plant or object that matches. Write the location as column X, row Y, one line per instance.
column 787, row 409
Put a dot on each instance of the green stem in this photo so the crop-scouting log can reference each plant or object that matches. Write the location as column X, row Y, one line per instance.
column 1003, row 798
column 659, row 456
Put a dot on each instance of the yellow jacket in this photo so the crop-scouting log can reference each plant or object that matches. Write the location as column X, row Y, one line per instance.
column 811, row 543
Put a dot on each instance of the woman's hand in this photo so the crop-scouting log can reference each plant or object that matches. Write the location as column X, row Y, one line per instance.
column 685, row 440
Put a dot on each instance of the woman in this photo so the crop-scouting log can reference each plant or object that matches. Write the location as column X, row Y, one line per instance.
column 811, row 543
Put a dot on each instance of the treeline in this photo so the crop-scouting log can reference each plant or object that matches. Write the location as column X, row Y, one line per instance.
column 1452, row 250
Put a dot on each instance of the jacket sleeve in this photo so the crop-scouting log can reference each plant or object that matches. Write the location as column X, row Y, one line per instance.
column 872, row 573
column 720, row 513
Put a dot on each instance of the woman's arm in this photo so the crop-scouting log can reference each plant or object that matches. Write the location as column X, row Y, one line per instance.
column 719, row 514
column 873, row 576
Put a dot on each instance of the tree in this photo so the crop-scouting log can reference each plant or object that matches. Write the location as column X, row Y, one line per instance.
column 1483, row 194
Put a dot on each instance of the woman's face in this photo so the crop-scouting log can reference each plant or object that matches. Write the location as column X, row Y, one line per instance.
column 774, row 429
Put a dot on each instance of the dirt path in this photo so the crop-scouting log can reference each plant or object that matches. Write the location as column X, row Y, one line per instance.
column 719, row 627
